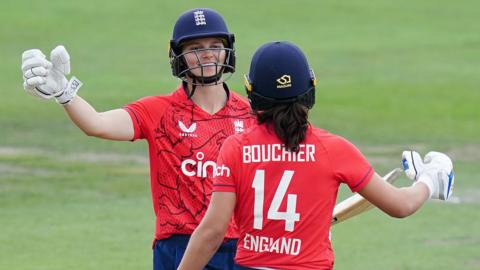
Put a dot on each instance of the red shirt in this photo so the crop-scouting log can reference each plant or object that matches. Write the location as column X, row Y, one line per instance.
column 184, row 142
column 285, row 200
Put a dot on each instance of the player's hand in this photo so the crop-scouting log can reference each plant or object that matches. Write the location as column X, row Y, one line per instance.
column 412, row 164
column 46, row 79
column 438, row 175
column 35, row 69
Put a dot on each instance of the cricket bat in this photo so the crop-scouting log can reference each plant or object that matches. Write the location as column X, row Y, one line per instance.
column 356, row 204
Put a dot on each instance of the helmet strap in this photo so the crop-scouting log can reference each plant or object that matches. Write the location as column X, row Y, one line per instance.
column 194, row 87
column 187, row 90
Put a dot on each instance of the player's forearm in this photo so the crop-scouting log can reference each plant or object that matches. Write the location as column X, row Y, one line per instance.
column 406, row 201
column 415, row 197
column 84, row 116
column 209, row 234
column 201, row 247
column 111, row 125
column 396, row 202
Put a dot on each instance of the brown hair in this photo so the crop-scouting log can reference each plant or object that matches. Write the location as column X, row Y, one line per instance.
column 289, row 121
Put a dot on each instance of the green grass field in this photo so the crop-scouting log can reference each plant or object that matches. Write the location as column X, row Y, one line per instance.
column 392, row 75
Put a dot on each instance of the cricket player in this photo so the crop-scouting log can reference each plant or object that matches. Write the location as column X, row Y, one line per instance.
column 184, row 129
column 280, row 178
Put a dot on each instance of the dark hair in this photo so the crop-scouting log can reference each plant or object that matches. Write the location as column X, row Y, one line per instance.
column 289, row 121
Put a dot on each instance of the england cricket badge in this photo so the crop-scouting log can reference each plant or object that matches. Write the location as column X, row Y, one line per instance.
column 238, row 126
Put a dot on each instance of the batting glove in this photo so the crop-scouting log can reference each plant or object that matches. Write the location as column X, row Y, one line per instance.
column 436, row 171
column 46, row 79
column 412, row 164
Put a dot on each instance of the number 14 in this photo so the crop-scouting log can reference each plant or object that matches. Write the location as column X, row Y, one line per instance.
column 290, row 216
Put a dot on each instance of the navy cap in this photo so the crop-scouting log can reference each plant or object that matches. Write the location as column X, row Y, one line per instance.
column 279, row 70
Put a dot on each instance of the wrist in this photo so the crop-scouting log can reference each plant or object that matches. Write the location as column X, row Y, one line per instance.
column 70, row 91
column 428, row 181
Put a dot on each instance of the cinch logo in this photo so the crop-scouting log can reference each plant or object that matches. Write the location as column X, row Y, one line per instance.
column 284, row 81
column 238, row 125
column 191, row 167
column 199, row 18
column 187, row 131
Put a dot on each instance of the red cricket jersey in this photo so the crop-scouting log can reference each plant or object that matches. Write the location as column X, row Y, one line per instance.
column 184, row 142
column 285, row 200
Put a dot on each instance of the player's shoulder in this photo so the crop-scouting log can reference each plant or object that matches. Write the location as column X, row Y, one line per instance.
column 328, row 139
column 238, row 97
column 321, row 133
column 231, row 144
column 151, row 99
column 239, row 100
column 161, row 100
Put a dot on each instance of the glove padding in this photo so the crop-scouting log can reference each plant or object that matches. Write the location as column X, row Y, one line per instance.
column 436, row 171
column 46, row 79
column 35, row 69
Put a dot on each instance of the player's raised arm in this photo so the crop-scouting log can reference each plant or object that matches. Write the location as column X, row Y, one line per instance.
column 46, row 80
column 435, row 176
column 112, row 125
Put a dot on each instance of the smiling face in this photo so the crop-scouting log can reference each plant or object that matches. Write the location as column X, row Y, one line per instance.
column 204, row 57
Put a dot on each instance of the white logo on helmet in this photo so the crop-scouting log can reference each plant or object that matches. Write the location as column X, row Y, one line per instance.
column 199, row 18
column 284, row 81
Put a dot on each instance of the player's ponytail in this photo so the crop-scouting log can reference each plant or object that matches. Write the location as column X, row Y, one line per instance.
column 281, row 89
column 289, row 121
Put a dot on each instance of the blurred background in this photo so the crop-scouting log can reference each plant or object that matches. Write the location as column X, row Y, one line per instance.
column 392, row 75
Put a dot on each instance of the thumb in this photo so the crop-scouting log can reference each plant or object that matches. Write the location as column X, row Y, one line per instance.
column 60, row 59
column 412, row 164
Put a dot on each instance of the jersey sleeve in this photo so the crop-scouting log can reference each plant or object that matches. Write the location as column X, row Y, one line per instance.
column 226, row 170
column 350, row 165
column 138, row 111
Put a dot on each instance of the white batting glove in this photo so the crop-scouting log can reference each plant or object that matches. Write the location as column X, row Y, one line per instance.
column 438, row 175
column 35, row 70
column 46, row 79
